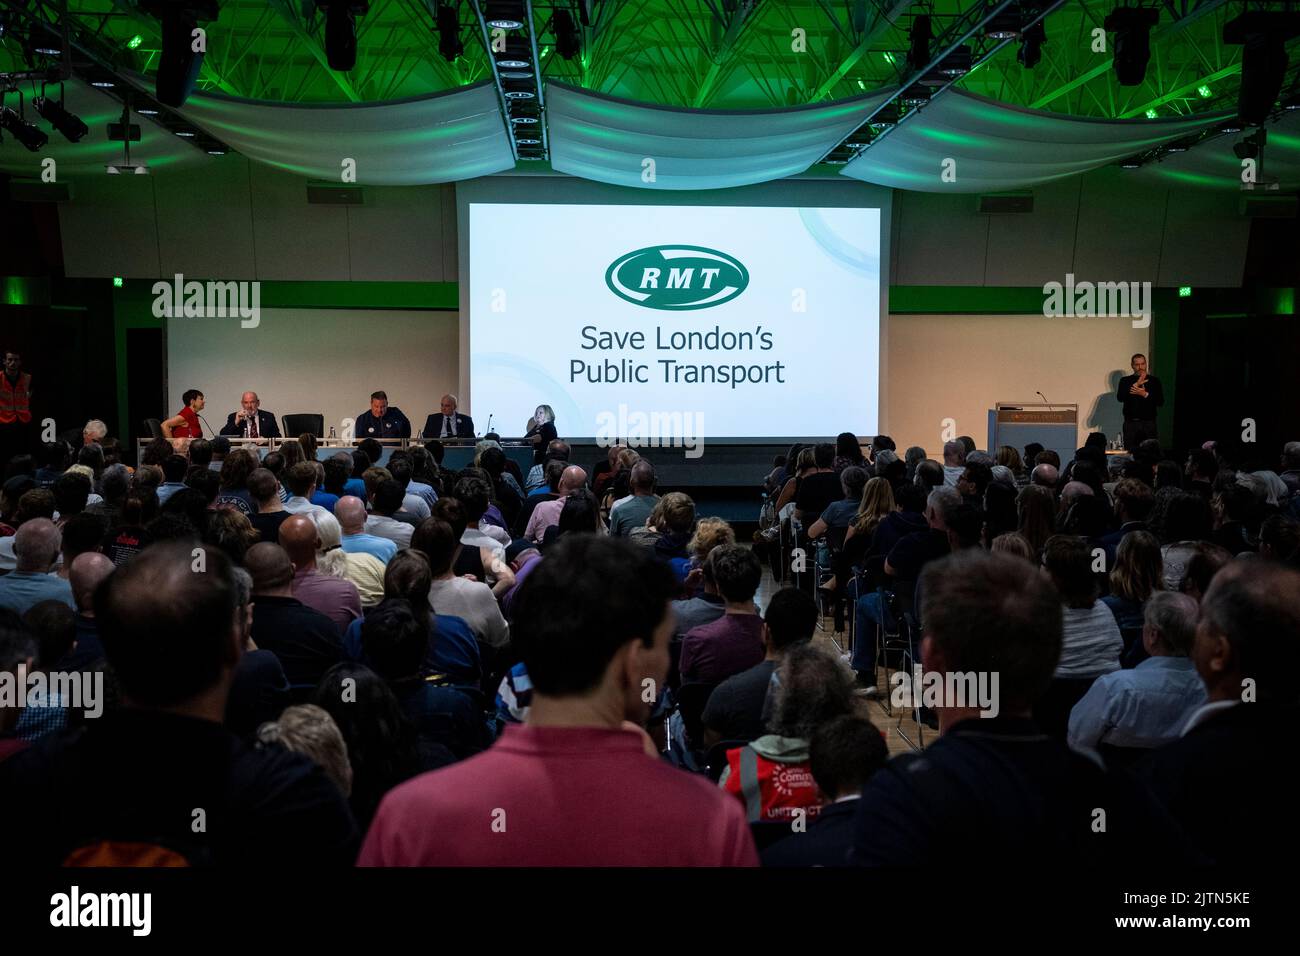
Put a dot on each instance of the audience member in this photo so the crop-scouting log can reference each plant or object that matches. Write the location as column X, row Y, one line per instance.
column 167, row 749
column 594, row 627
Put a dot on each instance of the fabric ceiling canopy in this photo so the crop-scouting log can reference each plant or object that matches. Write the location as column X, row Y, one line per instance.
column 430, row 139
column 607, row 139
column 1001, row 147
column 1214, row 165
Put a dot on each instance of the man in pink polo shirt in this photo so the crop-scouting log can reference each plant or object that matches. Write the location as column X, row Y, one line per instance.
column 571, row 787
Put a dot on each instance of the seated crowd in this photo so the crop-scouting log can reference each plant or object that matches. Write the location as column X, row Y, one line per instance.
column 375, row 660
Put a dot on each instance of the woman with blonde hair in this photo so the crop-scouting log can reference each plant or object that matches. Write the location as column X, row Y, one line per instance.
column 877, row 504
column 1010, row 458
column 1138, row 573
column 541, row 432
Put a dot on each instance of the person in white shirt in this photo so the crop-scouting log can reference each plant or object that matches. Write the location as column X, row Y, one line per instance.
column 384, row 503
column 300, row 479
column 472, row 601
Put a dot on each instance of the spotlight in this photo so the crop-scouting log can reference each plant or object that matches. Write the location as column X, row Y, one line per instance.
column 915, row 95
column 1263, row 59
column 567, row 41
column 341, row 31
column 1004, row 26
column 517, row 55
column 1231, row 126
column 121, row 169
column 1031, row 46
column 1250, row 147
column 147, row 111
column 505, row 16
column 179, row 62
column 920, row 35
column 1132, row 163
column 45, row 49
column 449, row 44
column 1291, row 104
column 30, row 136
column 887, row 116
column 103, row 84
column 1132, row 44
column 72, row 128
column 957, row 63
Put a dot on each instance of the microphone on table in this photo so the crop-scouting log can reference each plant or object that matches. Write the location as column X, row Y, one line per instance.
column 205, row 422
column 489, row 423
column 1043, row 397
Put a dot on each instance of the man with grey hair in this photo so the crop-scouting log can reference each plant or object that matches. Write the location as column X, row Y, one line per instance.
column 954, row 462
column 981, row 457
column 93, row 432
column 1129, row 711
column 36, row 548
column 1072, row 492
column 1044, row 475
column 448, row 423
column 903, row 565
column 113, row 486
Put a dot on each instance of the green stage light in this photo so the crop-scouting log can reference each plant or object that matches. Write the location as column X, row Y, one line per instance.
column 1204, row 91
column 1184, row 291
column 134, row 42
column 1152, row 114
column 117, row 282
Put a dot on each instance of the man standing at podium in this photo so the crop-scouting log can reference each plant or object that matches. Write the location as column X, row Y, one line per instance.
column 1141, row 395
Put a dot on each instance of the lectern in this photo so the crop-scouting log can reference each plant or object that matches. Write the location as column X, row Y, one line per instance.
column 1019, row 423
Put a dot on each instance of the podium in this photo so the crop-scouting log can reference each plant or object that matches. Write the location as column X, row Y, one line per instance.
column 1055, row 427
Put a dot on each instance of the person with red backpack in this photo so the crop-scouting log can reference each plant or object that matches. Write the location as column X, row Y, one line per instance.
column 772, row 775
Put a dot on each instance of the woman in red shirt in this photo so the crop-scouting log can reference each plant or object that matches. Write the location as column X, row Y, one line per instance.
column 186, row 424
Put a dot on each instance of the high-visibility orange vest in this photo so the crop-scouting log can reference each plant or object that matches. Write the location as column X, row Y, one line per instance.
column 14, row 399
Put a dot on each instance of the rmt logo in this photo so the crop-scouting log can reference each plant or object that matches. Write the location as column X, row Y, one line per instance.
column 677, row 278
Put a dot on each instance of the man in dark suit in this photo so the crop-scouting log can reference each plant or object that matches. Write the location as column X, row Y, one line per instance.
column 1227, row 779
column 250, row 421
column 843, row 754
column 448, row 423
column 1140, row 394
column 382, row 421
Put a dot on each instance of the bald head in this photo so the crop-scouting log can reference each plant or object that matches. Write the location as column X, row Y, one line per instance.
column 270, row 568
column 351, row 512
column 36, row 545
column 298, row 537
column 1073, row 491
column 86, row 574
column 1044, row 475
column 572, row 479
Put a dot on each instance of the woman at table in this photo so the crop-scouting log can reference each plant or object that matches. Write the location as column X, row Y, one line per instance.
column 542, row 432
column 185, row 424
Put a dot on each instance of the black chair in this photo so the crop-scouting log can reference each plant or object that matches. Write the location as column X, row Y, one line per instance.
column 1135, row 651
column 716, row 759
column 1052, row 710
column 691, row 698
column 295, row 425
column 153, row 427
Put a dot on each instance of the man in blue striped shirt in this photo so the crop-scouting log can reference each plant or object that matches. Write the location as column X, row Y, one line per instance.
column 1149, row 705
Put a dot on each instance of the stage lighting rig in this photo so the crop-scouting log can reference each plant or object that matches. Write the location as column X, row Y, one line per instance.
column 1132, row 43
column 54, row 113
column 17, row 126
column 341, row 31
column 179, row 63
column 449, row 42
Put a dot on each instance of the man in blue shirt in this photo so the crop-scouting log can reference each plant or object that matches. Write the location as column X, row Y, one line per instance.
column 351, row 514
column 36, row 548
column 1150, row 704
column 382, row 421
